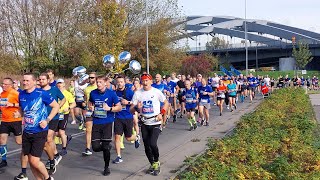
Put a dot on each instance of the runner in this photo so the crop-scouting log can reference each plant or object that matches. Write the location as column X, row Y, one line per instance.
column 50, row 146
column 221, row 90
column 252, row 81
column 88, row 121
column 215, row 84
column 205, row 91
column 16, row 85
column 71, row 90
column 124, row 119
column 226, row 81
column 51, row 77
column 104, row 103
column 64, row 115
column 172, row 98
column 79, row 111
column 232, row 90
column 33, row 103
column 190, row 96
column 163, row 88
column 147, row 102
column 9, row 103
column 180, row 89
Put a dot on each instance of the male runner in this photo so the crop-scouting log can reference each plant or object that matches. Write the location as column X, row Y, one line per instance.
column 163, row 88
column 104, row 103
column 33, row 103
column 9, row 103
column 124, row 119
column 147, row 101
column 190, row 95
column 51, row 77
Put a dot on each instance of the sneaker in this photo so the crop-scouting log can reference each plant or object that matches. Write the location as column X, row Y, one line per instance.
column 48, row 164
column 73, row 122
column 235, row 106
column 202, row 122
column 220, row 114
column 53, row 169
column 156, row 168
column 57, row 158
column 87, row 152
column 21, row 176
column 228, row 107
column 106, row 172
column 137, row 142
column 214, row 104
column 150, row 170
column 63, row 152
column 117, row 160
column 191, row 128
column 207, row 124
column 195, row 126
column 196, row 111
column 174, row 118
column 180, row 116
column 3, row 164
column 80, row 126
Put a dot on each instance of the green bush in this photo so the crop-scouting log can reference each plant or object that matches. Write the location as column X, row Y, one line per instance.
column 279, row 140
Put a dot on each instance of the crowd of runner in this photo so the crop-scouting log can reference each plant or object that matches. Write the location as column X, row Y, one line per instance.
column 113, row 109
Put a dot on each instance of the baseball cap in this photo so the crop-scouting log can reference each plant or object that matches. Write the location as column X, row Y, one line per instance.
column 60, row 81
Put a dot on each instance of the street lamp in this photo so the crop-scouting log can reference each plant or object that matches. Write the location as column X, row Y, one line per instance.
column 147, row 38
column 246, row 34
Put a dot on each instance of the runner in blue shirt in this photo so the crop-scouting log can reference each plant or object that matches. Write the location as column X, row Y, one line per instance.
column 124, row 119
column 190, row 96
column 33, row 104
column 104, row 103
column 158, row 84
column 205, row 91
column 252, row 81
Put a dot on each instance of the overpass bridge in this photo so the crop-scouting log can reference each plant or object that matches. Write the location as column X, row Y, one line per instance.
column 267, row 41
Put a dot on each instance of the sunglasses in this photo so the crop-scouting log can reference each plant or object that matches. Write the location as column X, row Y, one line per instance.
column 92, row 77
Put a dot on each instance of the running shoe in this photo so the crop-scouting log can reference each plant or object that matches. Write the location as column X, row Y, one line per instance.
column 202, row 122
column 81, row 126
column 235, row 106
column 57, row 158
column 53, row 168
column 87, row 152
column 174, row 118
column 207, row 124
column 137, row 142
column 156, row 168
column 195, row 126
column 150, row 170
column 228, row 107
column 220, row 114
column 117, row 160
column 3, row 164
column 48, row 164
column 73, row 122
column 21, row 176
column 63, row 152
column 191, row 128
column 106, row 172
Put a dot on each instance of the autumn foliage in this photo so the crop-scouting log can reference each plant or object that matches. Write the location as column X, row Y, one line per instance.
column 194, row 65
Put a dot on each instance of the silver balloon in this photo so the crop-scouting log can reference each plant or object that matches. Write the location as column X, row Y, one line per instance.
column 108, row 60
column 124, row 57
column 79, row 71
column 134, row 67
column 83, row 79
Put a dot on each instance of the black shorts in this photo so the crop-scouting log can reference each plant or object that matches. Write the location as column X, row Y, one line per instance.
column 102, row 132
column 232, row 96
column 180, row 98
column 214, row 89
column 220, row 98
column 80, row 105
column 191, row 110
column 34, row 143
column 62, row 124
column 53, row 124
column 14, row 127
column 250, row 88
column 124, row 126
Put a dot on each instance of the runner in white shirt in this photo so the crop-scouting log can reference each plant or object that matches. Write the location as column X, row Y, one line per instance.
column 146, row 101
column 79, row 111
column 267, row 80
column 215, row 85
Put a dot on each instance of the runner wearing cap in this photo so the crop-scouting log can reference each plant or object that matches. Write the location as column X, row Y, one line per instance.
column 147, row 102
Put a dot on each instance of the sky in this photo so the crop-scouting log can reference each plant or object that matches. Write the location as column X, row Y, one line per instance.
column 302, row 14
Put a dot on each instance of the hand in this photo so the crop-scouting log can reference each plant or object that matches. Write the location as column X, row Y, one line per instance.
column 183, row 97
column 159, row 117
column 124, row 101
column 16, row 114
column 91, row 108
column 204, row 93
column 66, row 110
column 106, row 107
column 43, row 124
column 84, row 104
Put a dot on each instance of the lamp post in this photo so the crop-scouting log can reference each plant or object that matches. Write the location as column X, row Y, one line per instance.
column 147, row 34
column 246, row 34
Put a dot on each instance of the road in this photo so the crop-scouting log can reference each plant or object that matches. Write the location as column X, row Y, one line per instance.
column 175, row 144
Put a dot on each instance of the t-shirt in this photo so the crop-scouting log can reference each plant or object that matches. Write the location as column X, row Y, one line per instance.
column 54, row 83
column 97, row 98
column 181, row 85
column 190, row 95
column 150, row 103
column 88, row 90
column 125, row 114
column 215, row 82
column 252, row 81
column 267, row 81
column 34, row 108
column 162, row 87
column 204, row 98
column 11, row 96
column 171, row 86
column 221, row 91
column 57, row 95
column 232, row 88
column 69, row 100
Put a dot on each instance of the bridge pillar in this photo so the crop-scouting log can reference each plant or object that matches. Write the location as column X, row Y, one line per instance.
column 287, row 64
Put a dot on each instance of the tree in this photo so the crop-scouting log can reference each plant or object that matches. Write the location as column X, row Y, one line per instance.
column 302, row 55
column 194, row 65
column 217, row 43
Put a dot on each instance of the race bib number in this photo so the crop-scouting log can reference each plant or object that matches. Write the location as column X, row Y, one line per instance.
column 189, row 100
column 124, row 107
column 79, row 99
column 3, row 101
column 204, row 100
column 61, row 117
column 147, row 107
column 183, row 89
column 29, row 118
column 88, row 113
column 100, row 113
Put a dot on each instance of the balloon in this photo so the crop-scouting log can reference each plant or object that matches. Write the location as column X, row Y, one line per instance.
column 83, row 79
column 124, row 57
column 108, row 60
column 134, row 67
column 79, row 71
